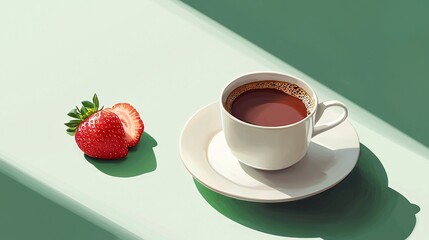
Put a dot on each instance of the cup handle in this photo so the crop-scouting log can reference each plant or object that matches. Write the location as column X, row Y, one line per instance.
column 321, row 109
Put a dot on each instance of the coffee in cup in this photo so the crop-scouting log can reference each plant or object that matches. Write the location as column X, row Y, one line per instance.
column 269, row 103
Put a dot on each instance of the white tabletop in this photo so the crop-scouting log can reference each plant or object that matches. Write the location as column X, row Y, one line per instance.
column 168, row 61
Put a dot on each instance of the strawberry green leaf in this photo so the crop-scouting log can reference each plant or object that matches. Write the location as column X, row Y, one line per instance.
column 84, row 111
column 71, row 131
column 95, row 100
column 73, row 113
column 73, row 123
column 87, row 104
column 72, row 128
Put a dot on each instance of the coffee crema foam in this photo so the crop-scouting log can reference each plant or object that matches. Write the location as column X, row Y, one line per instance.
column 286, row 87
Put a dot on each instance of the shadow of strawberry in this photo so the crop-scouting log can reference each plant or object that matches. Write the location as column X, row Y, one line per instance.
column 140, row 160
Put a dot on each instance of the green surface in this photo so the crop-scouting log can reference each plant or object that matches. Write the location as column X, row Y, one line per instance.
column 362, row 206
column 375, row 53
column 24, row 214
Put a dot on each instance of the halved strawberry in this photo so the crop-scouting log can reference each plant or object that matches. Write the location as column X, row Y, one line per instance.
column 131, row 121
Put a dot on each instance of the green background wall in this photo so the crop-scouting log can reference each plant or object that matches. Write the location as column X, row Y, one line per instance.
column 376, row 53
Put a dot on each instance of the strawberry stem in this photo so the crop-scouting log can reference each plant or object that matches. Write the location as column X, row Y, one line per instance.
column 88, row 108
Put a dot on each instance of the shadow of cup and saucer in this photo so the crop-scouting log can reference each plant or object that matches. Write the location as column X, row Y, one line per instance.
column 361, row 206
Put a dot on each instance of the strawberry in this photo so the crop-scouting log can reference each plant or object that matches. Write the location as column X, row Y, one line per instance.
column 131, row 121
column 98, row 133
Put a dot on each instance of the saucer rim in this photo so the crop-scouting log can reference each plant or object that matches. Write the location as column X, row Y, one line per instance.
column 215, row 105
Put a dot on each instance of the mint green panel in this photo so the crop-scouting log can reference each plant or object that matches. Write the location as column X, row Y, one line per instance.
column 376, row 53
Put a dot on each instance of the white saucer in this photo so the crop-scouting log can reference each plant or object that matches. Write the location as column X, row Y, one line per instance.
column 331, row 157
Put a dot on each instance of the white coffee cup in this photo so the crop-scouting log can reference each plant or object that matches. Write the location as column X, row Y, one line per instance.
column 279, row 147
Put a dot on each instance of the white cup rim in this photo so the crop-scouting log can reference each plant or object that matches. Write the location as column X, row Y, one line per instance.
column 313, row 95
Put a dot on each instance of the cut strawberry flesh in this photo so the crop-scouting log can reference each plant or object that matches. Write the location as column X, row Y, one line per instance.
column 131, row 121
